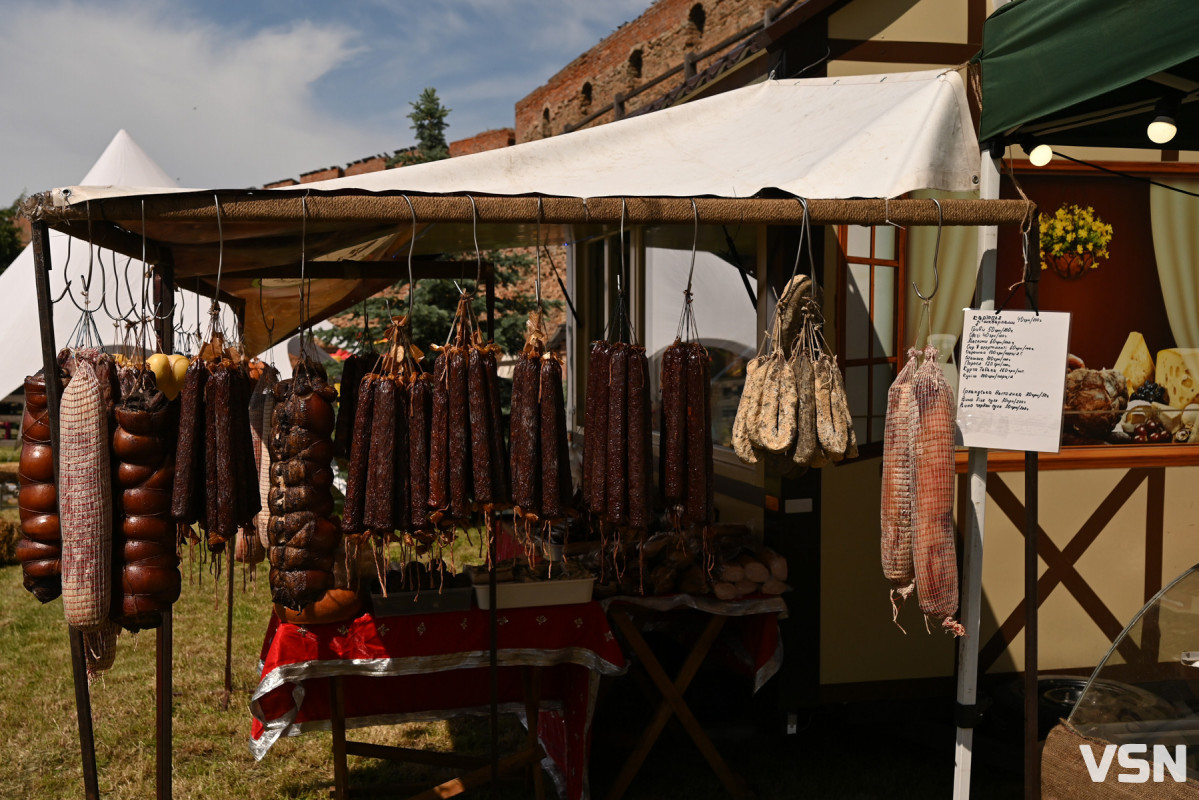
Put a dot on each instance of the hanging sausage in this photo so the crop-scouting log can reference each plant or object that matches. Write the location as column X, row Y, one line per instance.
column 40, row 548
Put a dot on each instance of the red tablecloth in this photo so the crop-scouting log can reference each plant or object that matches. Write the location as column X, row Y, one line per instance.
column 435, row 666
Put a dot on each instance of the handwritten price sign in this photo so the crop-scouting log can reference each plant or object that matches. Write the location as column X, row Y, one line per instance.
column 1012, row 380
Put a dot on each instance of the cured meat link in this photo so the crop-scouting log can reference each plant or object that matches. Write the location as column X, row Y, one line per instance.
column 595, row 428
column 495, row 420
column 419, row 413
column 439, row 436
column 898, row 489
column 525, row 432
column 480, row 426
column 226, row 453
column 640, row 442
column 210, row 516
column 352, row 513
column 401, row 504
column 934, row 555
column 674, row 431
column 616, row 488
column 190, row 472
column 380, row 481
column 459, row 421
column 699, row 434
column 555, row 471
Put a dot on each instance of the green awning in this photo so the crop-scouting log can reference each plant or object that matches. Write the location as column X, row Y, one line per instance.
column 1089, row 72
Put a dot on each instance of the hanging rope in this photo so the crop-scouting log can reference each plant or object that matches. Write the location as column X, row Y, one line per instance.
column 687, row 327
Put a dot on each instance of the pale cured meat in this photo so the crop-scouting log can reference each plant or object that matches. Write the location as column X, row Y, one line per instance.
column 934, row 554
column 898, row 486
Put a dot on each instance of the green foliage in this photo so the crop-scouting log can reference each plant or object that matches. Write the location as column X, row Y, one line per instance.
column 428, row 120
column 10, row 234
column 435, row 302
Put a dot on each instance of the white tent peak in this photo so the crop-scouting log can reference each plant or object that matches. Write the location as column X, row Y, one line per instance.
column 125, row 163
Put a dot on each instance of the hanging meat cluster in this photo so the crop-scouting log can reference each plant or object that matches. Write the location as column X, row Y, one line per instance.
column 467, row 460
column 302, row 531
column 686, row 453
column 353, row 370
column 381, row 483
column 918, row 544
column 542, row 488
column 40, row 548
column 794, row 413
column 144, row 539
column 216, row 476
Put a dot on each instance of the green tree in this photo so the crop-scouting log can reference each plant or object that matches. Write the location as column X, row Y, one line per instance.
column 428, row 120
column 10, row 234
column 436, row 301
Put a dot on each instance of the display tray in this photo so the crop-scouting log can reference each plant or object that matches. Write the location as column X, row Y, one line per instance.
column 536, row 593
column 426, row 601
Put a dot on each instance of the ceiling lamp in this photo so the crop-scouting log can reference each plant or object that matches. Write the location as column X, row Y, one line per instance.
column 1040, row 155
column 1163, row 128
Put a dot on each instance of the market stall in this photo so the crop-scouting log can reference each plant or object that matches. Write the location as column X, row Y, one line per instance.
column 1036, row 93
column 295, row 256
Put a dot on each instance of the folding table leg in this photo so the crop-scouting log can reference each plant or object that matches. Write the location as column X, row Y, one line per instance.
column 341, row 777
column 531, row 676
column 673, row 703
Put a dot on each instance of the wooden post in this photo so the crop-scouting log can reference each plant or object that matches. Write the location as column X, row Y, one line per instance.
column 1032, row 749
column 45, row 308
column 493, row 660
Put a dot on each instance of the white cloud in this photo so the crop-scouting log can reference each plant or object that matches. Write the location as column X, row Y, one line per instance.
column 213, row 107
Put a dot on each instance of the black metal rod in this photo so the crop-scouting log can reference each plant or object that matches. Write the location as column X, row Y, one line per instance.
column 1032, row 746
column 229, row 548
column 164, row 698
column 45, row 308
column 493, row 640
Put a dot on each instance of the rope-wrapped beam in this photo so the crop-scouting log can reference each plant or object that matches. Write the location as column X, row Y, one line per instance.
column 279, row 208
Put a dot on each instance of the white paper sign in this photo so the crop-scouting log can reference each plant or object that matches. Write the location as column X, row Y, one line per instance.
column 1012, row 380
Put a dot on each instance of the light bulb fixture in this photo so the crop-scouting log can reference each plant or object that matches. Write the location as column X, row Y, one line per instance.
column 1163, row 128
column 1040, row 155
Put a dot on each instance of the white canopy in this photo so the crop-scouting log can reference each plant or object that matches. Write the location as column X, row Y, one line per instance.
column 860, row 136
column 734, row 155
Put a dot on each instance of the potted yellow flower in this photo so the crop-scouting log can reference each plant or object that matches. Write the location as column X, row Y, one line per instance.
column 1073, row 240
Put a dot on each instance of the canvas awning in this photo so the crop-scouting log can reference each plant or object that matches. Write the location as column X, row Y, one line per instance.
column 745, row 155
column 1089, row 72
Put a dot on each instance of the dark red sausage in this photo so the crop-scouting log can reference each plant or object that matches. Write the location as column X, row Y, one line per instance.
column 525, row 433
column 595, row 427
column 616, row 487
column 190, row 472
column 401, row 504
column 699, row 438
column 419, row 413
column 439, row 436
column 480, row 426
column 356, row 474
column 674, row 431
column 640, row 442
column 556, row 489
column 377, row 514
column 459, row 421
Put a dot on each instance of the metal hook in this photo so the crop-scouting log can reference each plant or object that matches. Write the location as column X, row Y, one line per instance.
column 220, row 259
column 537, row 285
column 474, row 229
column 936, row 255
column 411, row 282
column 270, row 326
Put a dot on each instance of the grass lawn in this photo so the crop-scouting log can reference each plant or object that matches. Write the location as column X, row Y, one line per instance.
column 868, row 752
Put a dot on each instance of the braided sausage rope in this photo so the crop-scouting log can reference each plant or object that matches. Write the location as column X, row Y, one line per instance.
column 145, row 558
column 40, row 548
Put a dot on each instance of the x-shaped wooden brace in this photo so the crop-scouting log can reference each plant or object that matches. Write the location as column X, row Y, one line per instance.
column 672, row 703
column 1061, row 564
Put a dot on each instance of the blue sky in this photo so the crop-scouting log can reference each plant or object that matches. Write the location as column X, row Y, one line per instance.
column 233, row 93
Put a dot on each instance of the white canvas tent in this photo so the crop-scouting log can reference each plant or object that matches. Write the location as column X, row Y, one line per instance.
column 876, row 136
column 123, row 162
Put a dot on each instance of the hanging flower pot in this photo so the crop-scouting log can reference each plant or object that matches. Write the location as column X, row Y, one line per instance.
column 1070, row 265
column 1073, row 241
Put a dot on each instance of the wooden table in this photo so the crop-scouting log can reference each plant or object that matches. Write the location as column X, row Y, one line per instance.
column 764, row 651
column 387, row 670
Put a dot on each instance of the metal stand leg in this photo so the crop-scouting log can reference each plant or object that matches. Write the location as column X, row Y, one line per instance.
column 164, row 697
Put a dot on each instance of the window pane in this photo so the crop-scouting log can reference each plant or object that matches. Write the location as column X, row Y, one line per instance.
column 884, row 311
column 859, row 242
column 859, row 430
column 856, row 390
column 877, row 423
column 884, row 242
column 857, row 312
column 882, row 382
